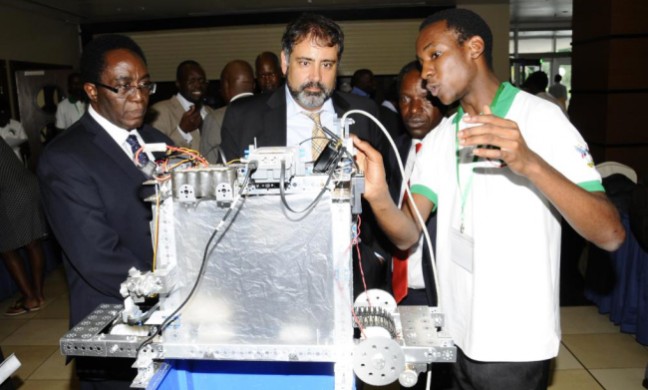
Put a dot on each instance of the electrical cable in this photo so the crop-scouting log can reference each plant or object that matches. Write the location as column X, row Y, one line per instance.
column 311, row 206
column 413, row 207
column 206, row 252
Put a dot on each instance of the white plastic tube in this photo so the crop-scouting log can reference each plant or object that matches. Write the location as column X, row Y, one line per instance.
column 8, row 367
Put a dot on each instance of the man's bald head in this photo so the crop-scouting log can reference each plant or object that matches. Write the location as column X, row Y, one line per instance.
column 237, row 77
column 268, row 71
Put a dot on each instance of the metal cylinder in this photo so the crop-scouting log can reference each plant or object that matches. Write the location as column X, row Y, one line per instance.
column 178, row 178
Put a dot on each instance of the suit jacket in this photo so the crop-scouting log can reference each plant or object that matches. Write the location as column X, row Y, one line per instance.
column 165, row 116
column 404, row 143
column 392, row 121
column 211, row 135
column 264, row 117
column 92, row 193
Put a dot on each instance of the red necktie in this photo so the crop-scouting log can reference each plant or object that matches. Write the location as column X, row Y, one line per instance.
column 399, row 261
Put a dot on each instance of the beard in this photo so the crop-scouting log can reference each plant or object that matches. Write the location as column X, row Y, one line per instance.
column 308, row 99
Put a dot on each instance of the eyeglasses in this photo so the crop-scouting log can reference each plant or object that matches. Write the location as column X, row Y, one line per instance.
column 128, row 89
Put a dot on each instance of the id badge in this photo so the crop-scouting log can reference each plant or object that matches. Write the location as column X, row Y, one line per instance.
column 462, row 246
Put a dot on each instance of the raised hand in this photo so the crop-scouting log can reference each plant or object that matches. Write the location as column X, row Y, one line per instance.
column 191, row 120
column 504, row 135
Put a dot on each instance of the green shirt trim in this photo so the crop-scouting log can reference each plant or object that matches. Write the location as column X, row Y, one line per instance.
column 428, row 193
column 592, row 186
column 501, row 104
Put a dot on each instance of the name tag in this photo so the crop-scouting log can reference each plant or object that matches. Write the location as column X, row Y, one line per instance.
column 462, row 248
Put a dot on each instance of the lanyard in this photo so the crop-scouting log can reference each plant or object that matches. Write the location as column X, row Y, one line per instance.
column 500, row 105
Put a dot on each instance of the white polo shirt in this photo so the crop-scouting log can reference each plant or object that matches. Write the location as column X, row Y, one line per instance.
column 503, row 305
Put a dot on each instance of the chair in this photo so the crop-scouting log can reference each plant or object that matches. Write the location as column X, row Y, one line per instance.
column 611, row 167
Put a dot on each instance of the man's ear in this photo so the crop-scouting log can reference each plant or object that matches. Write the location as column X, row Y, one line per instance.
column 475, row 46
column 90, row 90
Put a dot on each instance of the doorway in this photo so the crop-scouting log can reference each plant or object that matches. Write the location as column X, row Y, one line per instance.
column 39, row 92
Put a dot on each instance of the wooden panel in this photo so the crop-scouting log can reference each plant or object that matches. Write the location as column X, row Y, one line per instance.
column 591, row 18
column 609, row 119
column 590, row 66
column 628, row 16
column 623, row 126
column 628, row 63
column 633, row 156
column 600, row 18
column 588, row 112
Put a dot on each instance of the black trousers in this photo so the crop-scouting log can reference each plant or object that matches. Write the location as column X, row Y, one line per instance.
column 471, row 374
column 414, row 297
column 105, row 373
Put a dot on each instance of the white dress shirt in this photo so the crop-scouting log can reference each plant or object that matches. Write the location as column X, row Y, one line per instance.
column 299, row 126
column 119, row 134
column 186, row 104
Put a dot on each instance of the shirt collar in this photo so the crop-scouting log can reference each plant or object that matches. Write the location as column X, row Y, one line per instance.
column 359, row 92
column 186, row 104
column 117, row 133
column 240, row 95
column 390, row 106
column 501, row 104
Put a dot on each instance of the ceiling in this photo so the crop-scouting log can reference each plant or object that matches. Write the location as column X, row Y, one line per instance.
column 525, row 14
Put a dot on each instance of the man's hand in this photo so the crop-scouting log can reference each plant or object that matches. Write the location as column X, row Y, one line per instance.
column 191, row 120
column 505, row 135
column 591, row 214
column 370, row 161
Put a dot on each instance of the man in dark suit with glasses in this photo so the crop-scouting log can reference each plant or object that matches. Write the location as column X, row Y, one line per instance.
column 91, row 185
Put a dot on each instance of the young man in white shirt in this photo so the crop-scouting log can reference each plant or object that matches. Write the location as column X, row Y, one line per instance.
column 501, row 175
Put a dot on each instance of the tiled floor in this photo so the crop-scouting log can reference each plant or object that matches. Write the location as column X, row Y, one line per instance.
column 593, row 354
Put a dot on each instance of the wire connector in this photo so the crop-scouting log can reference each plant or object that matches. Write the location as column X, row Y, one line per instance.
column 155, row 147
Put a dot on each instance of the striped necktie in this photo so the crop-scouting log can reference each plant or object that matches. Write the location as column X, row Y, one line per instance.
column 142, row 158
column 319, row 138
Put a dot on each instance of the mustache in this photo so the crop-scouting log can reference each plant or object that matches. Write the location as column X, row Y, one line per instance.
column 312, row 84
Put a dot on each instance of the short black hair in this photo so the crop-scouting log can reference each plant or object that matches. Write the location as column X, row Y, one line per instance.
column 467, row 24
column 93, row 58
column 321, row 29
column 557, row 78
column 358, row 74
column 416, row 66
column 536, row 82
column 72, row 76
column 270, row 55
column 182, row 65
column 410, row 66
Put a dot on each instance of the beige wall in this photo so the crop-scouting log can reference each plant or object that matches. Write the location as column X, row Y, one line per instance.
column 35, row 38
column 383, row 46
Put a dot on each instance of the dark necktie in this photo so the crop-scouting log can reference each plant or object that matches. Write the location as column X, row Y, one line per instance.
column 135, row 146
column 400, row 259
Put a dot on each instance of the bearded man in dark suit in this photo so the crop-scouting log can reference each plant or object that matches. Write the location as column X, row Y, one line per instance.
column 312, row 47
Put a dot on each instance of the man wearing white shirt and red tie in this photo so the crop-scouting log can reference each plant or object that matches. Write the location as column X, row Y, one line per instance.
column 411, row 275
